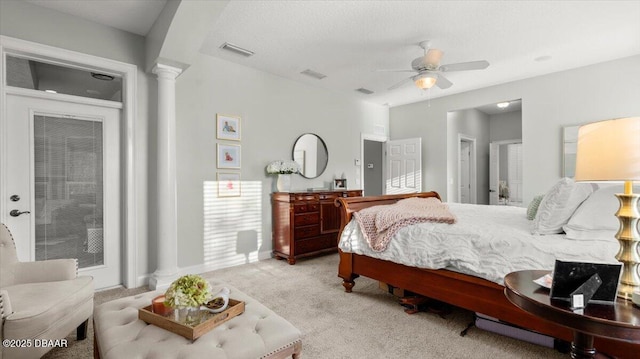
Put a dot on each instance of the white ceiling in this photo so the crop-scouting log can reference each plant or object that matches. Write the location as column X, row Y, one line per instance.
column 493, row 109
column 136, row 16
column 349, row 40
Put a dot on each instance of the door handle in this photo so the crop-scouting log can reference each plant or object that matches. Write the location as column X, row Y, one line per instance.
column 16, row 213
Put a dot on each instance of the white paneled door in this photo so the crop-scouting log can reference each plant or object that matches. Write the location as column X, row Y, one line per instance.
column 465, row 172
column 404, row 166
column 494, row 172
column 63, row 184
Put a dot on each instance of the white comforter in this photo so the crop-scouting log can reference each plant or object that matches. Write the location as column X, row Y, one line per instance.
column 487, row 242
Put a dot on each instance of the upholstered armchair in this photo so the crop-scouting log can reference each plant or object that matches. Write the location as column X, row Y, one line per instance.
column 40, row 301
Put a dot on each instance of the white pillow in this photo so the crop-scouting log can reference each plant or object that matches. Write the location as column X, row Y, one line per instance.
column 558, row 205
column 532, row 209
column 595, row 219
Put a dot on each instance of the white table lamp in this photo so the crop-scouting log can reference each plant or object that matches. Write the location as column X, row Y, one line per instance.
column 610, row 151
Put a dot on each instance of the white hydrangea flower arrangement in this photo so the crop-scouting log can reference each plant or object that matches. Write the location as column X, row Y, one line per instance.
column 188, row 291
column 283, row 167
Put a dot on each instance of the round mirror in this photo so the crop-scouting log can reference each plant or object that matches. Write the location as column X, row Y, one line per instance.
column 311, row 154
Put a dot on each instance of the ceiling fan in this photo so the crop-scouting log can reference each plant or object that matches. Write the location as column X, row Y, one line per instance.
column 429, row 71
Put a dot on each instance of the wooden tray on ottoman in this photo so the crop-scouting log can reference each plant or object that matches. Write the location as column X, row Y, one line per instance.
column 208, row 322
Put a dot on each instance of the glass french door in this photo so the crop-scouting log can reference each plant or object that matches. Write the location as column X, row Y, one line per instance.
column 64, row 184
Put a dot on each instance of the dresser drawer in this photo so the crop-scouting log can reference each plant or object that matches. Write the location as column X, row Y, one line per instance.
column 305, row 197
column 312, row 245
column 306, row 232
column 306, row 207
column 306, row 219
column 329, row 196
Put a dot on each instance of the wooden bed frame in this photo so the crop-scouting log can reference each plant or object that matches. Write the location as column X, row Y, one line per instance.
column 464, row 291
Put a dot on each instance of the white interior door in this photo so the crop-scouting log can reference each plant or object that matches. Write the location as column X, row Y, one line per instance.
column 465, row 171
column 514, row 179
column 494, row 172
column 63, row 166
column 404, row 166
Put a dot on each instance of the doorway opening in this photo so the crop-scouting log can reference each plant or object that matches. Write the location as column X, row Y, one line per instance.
column 372, row 164
column 501, row 121
column 467, row 183
column 506, row 172
column 373, row 174
column 399, row 164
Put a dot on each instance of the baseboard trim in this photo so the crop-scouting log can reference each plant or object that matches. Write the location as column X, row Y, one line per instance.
column 143, row 280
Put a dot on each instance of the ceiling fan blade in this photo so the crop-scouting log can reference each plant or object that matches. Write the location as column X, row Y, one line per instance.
column 443, row 82
column 393, row 70
column 401, row 83
column 433, row 57
column 464, row 66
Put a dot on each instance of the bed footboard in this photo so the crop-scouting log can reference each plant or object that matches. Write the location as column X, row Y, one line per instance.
column 350, row 205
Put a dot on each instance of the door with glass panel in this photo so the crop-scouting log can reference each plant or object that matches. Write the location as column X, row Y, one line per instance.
column 63, row 179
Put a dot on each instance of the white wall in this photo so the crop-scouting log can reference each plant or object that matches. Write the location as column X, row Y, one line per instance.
column 505, row 126
column 587, row 94
column 274, row 111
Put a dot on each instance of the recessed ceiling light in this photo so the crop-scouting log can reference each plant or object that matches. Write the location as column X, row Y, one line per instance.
column 542, row 58
column 503, row 105
column 51, row 91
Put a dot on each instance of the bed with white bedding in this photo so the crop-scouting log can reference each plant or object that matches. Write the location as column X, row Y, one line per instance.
column 486, row 241
column 463, row 264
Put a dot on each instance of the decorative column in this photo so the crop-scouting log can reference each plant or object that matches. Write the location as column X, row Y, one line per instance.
column 167, row 240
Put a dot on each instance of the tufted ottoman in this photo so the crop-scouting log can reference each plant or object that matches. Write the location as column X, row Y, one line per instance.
column 257, row 333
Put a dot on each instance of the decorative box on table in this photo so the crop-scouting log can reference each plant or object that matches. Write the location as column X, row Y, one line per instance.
column 207, row 320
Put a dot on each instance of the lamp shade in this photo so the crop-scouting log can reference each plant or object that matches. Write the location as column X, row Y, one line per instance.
column 609, row 151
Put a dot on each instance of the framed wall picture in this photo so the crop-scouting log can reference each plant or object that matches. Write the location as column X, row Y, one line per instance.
column 340, row 183
column 228, row 156
column 228, row 127
column 229, row 184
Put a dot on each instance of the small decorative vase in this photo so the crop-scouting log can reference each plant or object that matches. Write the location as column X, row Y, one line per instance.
column 284, row 182
column 187, row 315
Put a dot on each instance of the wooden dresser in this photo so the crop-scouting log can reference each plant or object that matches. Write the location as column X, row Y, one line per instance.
column 306, row 223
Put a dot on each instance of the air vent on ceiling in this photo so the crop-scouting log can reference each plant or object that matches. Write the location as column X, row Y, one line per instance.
column 236, row 49
column 364, row 91
column 314, row 74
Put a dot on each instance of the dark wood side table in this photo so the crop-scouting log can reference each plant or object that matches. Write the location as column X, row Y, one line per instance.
column 619, row 320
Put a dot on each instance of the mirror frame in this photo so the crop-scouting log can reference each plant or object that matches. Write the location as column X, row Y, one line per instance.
column 326, row 151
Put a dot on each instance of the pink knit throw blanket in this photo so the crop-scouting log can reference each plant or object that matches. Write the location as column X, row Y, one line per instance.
column 380, row 223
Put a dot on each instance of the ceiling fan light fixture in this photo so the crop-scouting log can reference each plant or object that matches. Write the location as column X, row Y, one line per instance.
column 503, row 105
column 425, row 81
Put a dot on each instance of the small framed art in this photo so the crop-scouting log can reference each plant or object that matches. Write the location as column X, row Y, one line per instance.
column 228, row 127
column 340, row 183
column 229, row 184
column 228, row 156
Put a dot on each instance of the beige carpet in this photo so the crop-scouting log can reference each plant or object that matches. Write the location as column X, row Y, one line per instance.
column 367, row 323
